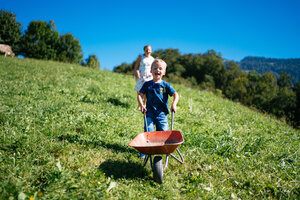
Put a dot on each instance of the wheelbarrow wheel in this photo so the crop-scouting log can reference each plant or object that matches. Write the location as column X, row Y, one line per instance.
column 158, row 169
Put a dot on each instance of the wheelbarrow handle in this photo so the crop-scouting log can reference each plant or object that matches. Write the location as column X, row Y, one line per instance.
column 172, row 120
column 145, row 118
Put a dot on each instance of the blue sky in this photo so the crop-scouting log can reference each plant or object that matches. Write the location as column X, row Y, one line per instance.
column 116, row 31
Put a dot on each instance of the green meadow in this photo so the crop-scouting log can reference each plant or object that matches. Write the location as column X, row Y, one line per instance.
column 65, row 129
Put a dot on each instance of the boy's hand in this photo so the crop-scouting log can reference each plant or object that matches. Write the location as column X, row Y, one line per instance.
column 143, row 109
column 175, row 101
column 173, row 108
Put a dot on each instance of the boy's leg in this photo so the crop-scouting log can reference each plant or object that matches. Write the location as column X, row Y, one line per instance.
column 162, row 123
column 150, row 124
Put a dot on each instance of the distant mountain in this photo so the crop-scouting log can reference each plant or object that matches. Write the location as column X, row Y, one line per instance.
column 263, row 65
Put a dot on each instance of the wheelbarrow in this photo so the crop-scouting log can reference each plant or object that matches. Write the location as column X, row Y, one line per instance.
column 158, row 142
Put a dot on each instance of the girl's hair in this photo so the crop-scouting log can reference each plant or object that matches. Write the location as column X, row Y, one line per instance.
column 147, row 46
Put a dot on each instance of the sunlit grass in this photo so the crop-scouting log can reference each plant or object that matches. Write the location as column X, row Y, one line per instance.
column 65, row 129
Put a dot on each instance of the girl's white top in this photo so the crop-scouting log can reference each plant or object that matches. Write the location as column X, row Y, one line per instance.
column 145, row 74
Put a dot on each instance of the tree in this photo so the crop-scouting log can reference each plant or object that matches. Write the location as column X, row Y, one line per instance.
column 125, row 68
column 170, row 56
column 10, row 30
column 69, row 49
column 92, row 62
column 254, row 79
column 285, row 80
column 284, row 104
column 237, row 90
column 208, row 82
column 297, row 110
column 193, row 64
column 232, row 73
column 266, row 91
column 213, row 66
column 40, row 40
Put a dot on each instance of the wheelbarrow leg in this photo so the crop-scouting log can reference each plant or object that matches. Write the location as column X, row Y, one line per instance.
column 146, row 160
column 181, row 161
column 151, row 162
column 166, row 163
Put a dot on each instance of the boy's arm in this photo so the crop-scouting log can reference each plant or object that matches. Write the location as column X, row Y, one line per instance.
column 175, row 101
column 140, row 97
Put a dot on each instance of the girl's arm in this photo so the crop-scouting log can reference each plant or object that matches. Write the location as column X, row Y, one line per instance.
column 136, row 67
column 175, row 101
column 140, row 97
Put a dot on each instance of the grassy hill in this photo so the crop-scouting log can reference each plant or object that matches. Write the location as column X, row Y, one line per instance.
column 65, row 129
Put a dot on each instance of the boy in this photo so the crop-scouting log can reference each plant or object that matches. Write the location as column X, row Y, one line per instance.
column 156, row 92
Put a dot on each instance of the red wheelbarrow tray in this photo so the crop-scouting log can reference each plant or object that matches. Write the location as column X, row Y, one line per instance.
column 157, row 142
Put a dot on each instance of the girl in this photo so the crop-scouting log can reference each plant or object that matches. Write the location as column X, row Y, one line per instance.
column 142, row 68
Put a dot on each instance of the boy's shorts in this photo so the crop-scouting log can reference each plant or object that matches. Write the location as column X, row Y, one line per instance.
column 161, row 122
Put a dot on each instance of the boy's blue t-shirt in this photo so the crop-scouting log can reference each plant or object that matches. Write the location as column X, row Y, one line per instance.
column 157, row 97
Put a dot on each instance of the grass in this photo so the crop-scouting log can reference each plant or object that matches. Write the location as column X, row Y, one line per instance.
column 65, row 129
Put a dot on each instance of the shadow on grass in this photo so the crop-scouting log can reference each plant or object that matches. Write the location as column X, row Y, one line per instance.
column 87, row 99
column 123, row 169
column 96, row 143
column 117, row 102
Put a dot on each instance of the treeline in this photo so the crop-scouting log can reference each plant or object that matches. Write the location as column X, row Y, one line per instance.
column 263, row 65
column 207, row 71
column 41, row 40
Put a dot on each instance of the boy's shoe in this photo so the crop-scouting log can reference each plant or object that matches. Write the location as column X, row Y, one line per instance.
column 142, row 155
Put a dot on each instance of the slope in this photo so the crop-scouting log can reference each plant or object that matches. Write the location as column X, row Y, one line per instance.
column 65, row 129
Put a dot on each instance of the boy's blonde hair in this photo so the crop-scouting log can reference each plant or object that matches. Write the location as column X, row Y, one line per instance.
column 157, row 60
